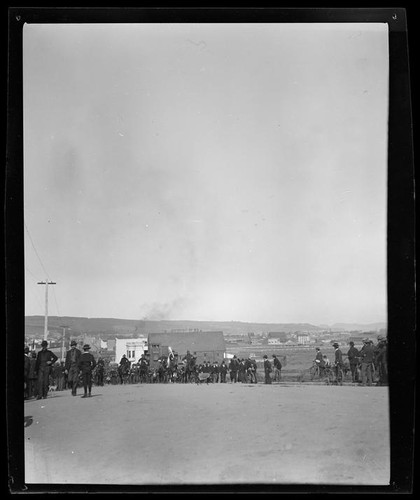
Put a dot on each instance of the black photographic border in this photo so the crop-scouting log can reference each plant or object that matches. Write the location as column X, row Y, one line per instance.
column 400, row 231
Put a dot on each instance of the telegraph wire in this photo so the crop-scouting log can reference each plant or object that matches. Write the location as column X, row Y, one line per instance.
column 42, row 265
column 33, row 246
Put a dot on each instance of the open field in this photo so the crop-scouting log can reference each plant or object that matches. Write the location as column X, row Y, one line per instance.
column 162, row 434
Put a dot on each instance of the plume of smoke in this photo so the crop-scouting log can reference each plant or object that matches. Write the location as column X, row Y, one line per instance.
column 165, row 310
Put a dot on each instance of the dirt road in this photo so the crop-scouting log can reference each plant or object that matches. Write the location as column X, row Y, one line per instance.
column 210, row 434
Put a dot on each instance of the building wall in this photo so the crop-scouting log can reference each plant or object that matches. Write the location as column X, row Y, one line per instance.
column 303, row 339
column 132, row 348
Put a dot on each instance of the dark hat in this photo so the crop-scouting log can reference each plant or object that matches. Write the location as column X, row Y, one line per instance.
column 73, row 342
column 26, row 349
column 86, row 347
column 265, row 356
column 351, row 342
column 317, row 348
column 335, row 344
column 44, row 343
column 274, row 356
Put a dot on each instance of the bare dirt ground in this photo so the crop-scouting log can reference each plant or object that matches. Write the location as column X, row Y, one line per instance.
column 162, row 434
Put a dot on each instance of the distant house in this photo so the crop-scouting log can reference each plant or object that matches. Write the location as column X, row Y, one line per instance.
column 132, row 348
column 238, row 339
column 303, row 339
column 206, row 346
column 279, row 336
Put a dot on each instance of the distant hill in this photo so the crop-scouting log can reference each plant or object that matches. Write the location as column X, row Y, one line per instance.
column 110, row 327
column 370, row 327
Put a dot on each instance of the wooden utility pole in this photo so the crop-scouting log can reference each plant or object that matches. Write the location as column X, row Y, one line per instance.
column 63, row 339
column 46, row 283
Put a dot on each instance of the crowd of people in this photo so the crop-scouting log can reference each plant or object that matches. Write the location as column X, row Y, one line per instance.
column 367, row 365
column 186, row 370
column 44, row 372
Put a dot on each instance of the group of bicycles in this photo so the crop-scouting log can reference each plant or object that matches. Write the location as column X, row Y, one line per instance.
column 330, row 374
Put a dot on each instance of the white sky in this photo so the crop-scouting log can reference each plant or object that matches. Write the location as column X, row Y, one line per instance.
column 207, row 171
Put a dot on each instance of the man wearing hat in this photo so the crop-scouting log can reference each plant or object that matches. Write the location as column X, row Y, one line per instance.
column 319, row 360
column 44, row 360
column 353, row 357
column 32, row 387
column 367, row 354
column 381, row 361
column 338, row 362
column 71, row 366
column 233, row 369
column 267, row 370
column 86, row 365
column 26, row 366
column 277, row 368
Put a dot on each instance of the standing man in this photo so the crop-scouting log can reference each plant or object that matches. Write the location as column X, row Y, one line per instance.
column 27, row 367
column 277, row 368
column 367, row 354
column 44, row 360
column 233, row 369
column 32, row 390
column 353, row 356
column 319, row 360
column 267, row 369
column 215, row 372
column 86, row 365
column 72, row 366
column 124, row 368
column 100, row 370
column 338, row 363
column 223, row 369
column 381, row 360
column 254, row 378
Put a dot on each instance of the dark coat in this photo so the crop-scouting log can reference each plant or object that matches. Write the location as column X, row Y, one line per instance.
column 86, row 362
column 44, row 360
column 32, row 373
column 68, row 358
column 367, row 353
column 277, row 363
column 233, row 365
column 353, row 355
column 27, row 366
column 223, row 368
column 338, row 357
column 320, row 359
column 267, row 366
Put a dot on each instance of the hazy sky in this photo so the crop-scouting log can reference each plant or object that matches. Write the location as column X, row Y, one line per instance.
column 207, row 171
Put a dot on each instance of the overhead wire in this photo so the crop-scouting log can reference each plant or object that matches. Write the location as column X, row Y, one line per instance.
column 36, row 253
column 42, row 265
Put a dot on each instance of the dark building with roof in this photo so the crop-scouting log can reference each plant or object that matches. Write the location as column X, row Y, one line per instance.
column 207, row 346
column 281, row 336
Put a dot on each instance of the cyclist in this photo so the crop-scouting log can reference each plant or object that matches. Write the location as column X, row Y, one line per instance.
column 319, row 360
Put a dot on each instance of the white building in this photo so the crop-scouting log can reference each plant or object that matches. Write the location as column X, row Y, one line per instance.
column 303, row 339
column 132, row 348
column 274, row 341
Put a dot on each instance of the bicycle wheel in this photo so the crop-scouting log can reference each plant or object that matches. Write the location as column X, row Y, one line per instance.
column 313, row 372
column 329, row 376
